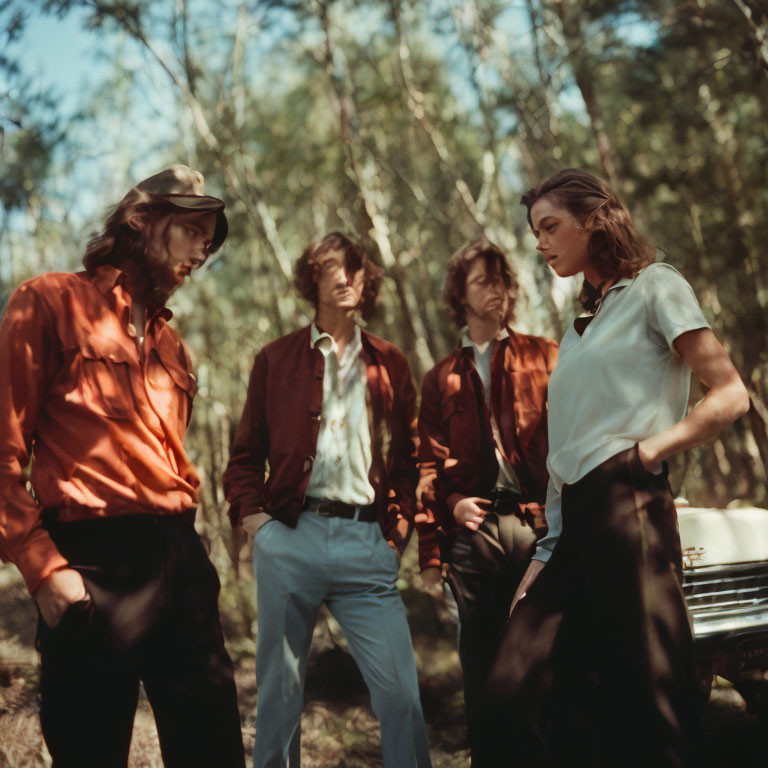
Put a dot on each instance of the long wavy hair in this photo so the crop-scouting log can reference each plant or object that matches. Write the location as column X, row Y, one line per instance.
column 615, row 248
column 458, row 268
column 355, row 258
column 118, row 242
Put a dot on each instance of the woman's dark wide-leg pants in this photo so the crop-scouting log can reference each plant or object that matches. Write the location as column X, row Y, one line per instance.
column 609, row 598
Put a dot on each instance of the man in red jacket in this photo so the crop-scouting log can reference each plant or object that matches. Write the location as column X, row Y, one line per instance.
column 483, row 448
column 96, row 385
column 330, row 413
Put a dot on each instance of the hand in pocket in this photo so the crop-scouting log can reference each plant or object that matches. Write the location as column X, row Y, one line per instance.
column 60, row 591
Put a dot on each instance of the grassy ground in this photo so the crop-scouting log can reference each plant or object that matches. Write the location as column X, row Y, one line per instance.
column 339, row 730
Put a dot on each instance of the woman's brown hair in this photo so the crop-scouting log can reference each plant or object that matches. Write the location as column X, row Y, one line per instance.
column 616, row 248
column 355, row 258
column 458, row 268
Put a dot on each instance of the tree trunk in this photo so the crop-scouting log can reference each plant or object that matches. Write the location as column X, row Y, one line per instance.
column 363, row 172
column 584, row 73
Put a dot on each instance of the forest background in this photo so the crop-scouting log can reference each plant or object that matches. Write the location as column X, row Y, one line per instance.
column 413, row 126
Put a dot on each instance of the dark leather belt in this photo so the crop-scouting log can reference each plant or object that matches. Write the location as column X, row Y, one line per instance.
column 504, row 502
column 331, row 508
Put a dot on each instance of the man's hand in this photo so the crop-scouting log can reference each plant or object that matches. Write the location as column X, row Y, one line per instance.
column 57, row 592
column 534, row 569
column 468, row 513
column 432, row 581
column 251, row 523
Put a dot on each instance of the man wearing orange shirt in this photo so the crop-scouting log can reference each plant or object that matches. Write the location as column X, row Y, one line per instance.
column 97, row 387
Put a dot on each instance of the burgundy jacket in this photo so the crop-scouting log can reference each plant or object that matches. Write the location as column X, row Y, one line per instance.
column 281, row 422
column 457, row 451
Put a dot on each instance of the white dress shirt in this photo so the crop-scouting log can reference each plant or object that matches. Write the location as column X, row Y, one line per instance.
column 343, row 457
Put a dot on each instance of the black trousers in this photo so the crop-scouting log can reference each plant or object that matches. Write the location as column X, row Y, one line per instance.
column 153, row 617
column 610, row 596
column 485, row 567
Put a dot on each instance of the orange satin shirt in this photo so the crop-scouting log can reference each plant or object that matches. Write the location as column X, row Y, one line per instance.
column 103, row 420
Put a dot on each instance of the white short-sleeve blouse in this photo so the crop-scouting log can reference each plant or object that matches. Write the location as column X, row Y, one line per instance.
column 620, row 382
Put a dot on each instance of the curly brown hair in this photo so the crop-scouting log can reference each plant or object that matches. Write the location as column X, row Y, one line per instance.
column 615, row 248
column 355, row 258
column 496, row 261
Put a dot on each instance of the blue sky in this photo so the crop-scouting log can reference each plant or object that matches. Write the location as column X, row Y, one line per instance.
column 60, row 53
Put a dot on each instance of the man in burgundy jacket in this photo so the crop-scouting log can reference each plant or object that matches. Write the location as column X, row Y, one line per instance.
column 322, row 473
column 483, row 448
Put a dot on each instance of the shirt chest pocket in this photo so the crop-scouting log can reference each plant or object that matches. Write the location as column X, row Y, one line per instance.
column 172, row 388
column 104, row 383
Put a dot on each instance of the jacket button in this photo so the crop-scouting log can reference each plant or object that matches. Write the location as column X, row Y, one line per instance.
column 316, row 416
column 308, row 464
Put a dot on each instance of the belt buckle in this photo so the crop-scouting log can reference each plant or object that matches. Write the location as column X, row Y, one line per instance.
column 320, row 507
column 324, row 509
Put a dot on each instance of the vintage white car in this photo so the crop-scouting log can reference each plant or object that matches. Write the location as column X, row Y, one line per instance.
column 725, row 581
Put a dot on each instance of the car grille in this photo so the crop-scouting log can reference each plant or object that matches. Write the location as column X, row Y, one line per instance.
column 727, row 598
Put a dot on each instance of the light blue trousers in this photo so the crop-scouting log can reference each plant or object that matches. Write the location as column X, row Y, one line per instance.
column 348, row 565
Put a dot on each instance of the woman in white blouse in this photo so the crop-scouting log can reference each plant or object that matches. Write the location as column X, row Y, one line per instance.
column 605, row 582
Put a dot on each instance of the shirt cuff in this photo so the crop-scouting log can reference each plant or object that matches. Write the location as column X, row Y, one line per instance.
column 39, row 559
column 239, row 510
column 429, row 549
column 542, row 553
column 432, row 562
column 553, row 514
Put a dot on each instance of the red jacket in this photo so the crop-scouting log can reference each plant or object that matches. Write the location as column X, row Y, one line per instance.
column 457, row 451
column 280, row 425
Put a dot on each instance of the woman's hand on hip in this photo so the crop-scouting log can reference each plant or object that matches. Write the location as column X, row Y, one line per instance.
column 647, row 458
column 532, row 572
